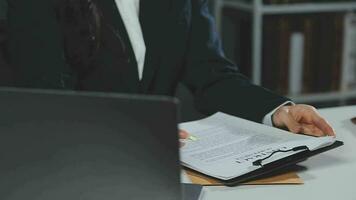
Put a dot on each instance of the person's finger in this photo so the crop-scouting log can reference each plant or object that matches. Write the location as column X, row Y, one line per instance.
column 183, row 134
column 312, row 130
column 181, row 144
column 323, row 125
column 292, row 125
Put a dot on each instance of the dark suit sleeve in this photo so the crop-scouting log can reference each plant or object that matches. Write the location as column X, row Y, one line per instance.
column 215, row 81
column 35, row 46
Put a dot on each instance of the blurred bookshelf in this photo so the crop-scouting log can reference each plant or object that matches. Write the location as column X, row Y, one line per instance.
column 300, row 48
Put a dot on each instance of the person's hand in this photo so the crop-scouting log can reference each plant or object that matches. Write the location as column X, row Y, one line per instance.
column 183, row 135
column 303, row 119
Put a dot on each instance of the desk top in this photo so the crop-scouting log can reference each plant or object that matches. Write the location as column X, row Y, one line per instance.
column 328, row 176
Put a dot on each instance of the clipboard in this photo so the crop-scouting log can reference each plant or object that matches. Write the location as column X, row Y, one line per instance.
column 273, row 166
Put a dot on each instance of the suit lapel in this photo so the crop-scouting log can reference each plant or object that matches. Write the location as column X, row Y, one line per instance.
column 119, row 36
column 155, row 18
column 160, row 19
column 153, row 14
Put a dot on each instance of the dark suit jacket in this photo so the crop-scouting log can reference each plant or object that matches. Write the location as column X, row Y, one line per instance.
column 182, row 46
column 5, row 70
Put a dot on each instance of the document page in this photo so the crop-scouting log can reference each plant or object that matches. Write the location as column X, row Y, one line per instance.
column 225, row 146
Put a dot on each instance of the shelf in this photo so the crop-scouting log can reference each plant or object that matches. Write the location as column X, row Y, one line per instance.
column 238, row 4
column 293, row 8
column 322, row 97
column 309, row 8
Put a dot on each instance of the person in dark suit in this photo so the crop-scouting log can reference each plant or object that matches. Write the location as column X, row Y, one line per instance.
column 146, row 47
column 5, row 70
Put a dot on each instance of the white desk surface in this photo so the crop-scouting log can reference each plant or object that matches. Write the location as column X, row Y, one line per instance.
column 329, row 176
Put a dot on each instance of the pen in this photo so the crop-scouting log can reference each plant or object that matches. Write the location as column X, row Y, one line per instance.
column 192, row 138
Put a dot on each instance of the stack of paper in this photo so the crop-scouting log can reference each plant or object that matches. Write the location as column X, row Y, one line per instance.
column 225, row 146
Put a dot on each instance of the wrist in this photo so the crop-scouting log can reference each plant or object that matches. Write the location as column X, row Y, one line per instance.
column 277, row 116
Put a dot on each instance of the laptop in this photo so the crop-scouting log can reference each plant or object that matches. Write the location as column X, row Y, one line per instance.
column 57, row 145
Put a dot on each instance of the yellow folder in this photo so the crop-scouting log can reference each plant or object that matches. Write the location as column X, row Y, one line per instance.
column 285, row 178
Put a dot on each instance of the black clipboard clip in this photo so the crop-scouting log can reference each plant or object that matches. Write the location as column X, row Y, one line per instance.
column 259, row 161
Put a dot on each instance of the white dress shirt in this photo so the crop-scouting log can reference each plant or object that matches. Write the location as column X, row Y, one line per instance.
column 129, row 11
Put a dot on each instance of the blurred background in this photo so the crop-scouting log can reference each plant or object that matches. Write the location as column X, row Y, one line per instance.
column 303, row 49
